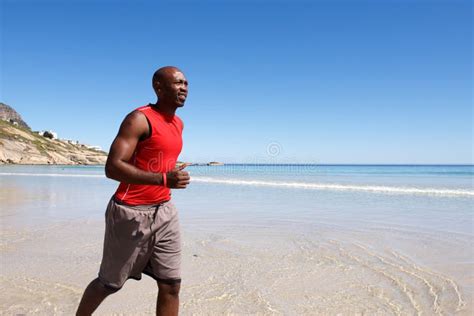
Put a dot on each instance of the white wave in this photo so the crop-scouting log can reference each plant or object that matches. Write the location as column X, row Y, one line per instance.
column 293, row 185
column 340, row 187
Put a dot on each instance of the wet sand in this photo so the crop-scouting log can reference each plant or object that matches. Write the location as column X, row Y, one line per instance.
column 252, row 270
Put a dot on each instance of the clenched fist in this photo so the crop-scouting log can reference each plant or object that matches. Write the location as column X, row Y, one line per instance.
column 177, row 178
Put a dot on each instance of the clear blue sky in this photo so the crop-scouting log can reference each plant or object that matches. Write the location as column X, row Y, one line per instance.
column 270, row 81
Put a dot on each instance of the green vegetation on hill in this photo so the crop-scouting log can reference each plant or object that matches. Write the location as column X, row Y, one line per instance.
column 22, row 146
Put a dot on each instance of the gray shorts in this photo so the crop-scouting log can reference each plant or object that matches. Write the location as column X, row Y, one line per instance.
column 141, row 239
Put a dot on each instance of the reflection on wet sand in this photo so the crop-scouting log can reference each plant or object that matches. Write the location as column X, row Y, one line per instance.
column 244, row 271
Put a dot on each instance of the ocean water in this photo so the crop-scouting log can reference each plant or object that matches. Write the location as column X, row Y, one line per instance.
column 258, row 239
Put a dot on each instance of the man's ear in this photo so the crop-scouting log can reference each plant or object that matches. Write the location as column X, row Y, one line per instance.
column 156, row 85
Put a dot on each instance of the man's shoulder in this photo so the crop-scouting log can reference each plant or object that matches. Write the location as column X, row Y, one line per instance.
column 135, row 120
column 143, row 108
column 142, row 112
column 179, row 120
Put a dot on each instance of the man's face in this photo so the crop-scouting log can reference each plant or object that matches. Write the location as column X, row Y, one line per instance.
column 174, row 88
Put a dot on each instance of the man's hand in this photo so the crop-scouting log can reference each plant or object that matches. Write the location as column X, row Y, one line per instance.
column 177, row 178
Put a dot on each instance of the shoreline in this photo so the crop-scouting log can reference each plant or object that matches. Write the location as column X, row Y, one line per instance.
column 52, row 164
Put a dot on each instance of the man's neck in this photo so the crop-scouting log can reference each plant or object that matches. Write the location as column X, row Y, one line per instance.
column 165, row 108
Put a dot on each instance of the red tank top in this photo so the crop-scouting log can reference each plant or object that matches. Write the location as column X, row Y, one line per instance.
column 158, row 153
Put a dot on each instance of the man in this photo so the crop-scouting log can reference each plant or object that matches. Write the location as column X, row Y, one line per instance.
column 142, row 230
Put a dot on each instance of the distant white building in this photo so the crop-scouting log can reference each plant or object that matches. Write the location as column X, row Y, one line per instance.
column 93, row 147
column 70, row 141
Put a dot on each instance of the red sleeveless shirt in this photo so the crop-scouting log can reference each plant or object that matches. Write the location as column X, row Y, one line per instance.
column 158, row 153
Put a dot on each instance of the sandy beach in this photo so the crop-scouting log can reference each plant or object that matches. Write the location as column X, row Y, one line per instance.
column 319, row 154
column 274, row 252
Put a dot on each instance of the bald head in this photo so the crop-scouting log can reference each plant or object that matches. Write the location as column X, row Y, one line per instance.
column 164, row 73
column 170, row 85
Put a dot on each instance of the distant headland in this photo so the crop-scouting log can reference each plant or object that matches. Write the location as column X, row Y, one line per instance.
column 20, row 145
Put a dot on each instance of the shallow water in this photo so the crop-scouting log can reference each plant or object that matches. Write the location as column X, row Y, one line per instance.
column 253, row 248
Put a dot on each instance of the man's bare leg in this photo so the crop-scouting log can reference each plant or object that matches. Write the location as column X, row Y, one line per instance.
column 168, row 299
column 94, row 294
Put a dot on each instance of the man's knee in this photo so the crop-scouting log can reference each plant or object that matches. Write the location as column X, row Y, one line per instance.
column 104, row 289
column 169, row 289
column 110, row 290
column 94, row 294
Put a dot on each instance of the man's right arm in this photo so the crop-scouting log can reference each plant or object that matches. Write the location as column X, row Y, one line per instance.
column 117, row 167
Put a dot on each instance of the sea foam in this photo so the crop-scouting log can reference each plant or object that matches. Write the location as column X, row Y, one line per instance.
column 340, row 187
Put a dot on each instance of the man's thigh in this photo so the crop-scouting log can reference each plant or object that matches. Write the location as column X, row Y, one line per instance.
column 165, row 261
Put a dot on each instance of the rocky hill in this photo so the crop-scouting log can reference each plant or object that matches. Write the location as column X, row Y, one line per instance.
column 19, row 145
column 7, row 113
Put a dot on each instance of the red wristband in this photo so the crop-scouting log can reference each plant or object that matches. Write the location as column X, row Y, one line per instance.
column 164, row 179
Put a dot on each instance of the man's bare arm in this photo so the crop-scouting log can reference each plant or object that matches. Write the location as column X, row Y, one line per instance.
column 134, row 127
